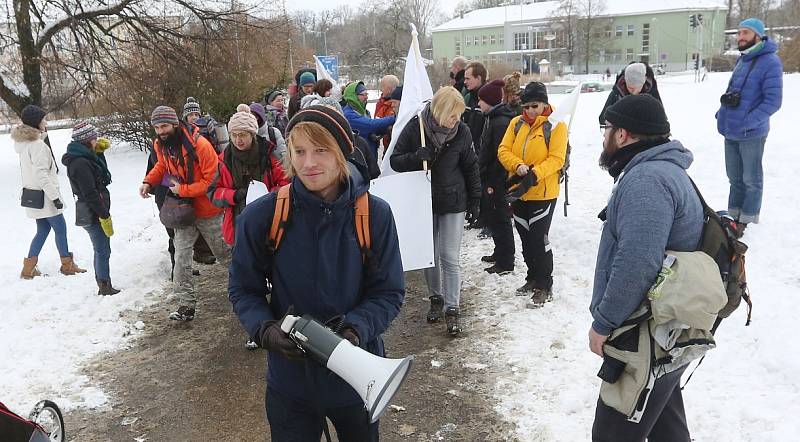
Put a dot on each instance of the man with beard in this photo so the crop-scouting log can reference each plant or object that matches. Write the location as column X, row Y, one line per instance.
column 653, row 207
column 186, row 164
column 754, row 93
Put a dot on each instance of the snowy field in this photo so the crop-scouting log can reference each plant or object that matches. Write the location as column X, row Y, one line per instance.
column 746, row 390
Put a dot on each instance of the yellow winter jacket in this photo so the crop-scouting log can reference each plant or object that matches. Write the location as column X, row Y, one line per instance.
column 528, row 147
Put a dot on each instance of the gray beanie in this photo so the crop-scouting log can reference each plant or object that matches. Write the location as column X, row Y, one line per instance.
column 635, row 74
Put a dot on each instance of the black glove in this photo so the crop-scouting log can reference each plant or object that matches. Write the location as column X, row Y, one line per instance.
column 240, row 195
column 271, row 338
column 59, row 205
column 350, row 334
column 424, row 153
column 519, row 185
column 473, row 210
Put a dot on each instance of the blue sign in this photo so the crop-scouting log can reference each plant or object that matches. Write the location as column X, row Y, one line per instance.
column 331, row 64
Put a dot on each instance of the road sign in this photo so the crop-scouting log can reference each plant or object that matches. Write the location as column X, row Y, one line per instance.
column 331, row 64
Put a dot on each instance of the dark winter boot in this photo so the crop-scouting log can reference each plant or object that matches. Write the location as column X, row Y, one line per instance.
column 183, row 313
column 489, row 258
column 540, row 296
column 435, row 313
column 105, row 288
column 29, row 269
column 525, row 289
column 740, row 229
column 68, row 266
column 451, row 319
column 499, row 270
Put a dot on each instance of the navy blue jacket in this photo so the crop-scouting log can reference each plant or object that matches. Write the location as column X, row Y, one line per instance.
column 318, row 269
column 761, row 94
column 367, row 127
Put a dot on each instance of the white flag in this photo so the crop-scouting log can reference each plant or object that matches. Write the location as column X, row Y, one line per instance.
column 322, row 73
column 566, row 109
column 416, row 90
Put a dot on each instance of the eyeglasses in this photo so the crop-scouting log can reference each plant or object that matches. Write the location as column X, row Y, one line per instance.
column 603, row 128
column 534, row 106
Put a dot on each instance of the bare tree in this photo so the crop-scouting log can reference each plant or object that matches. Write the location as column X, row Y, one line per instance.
column 78, row 40
column 591, row 27
column 565, row 19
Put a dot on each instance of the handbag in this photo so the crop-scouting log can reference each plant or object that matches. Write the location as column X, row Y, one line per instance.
column 32, row 198
column 177, row 212
column 84, row 215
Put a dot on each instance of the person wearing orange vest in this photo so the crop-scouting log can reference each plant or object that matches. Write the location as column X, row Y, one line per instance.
column 187, row 163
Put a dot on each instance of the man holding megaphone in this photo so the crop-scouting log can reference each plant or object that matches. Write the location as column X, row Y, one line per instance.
column 302, row 246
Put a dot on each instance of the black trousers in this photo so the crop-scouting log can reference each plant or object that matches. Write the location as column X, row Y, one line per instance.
column 296, row 421
column 498, row 219
column 664, row 418
column 532, row 219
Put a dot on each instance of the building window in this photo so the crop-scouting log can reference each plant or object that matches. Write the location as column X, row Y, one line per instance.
column 492, row 39
column 484, row 40
column 601, row 57
column 521, row 41
column 629, row 55
column 608, row 31
column 475, row 40
column 502, row 38
column 618, row 32
column 631, row 29
column 492, row 59
column 458, row 48
column 646, row 38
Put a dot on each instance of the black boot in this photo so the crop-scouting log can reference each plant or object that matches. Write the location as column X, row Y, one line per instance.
column 451, row 319
column 435, row 313
column 105, row 288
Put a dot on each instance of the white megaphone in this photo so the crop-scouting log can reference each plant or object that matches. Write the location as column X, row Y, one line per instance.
column 374, row 378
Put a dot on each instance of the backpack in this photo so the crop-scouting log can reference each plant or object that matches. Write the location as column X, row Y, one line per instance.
column 547, row 128
column 208, row 129
column 280, row 219
column 719, row 241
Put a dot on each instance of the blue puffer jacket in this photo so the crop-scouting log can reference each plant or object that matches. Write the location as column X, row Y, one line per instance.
column 367, row 126
column 318, row 269
column 653, row 208
column 761, row 95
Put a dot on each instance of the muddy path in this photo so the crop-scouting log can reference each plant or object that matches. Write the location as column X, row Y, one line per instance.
column 195, row 381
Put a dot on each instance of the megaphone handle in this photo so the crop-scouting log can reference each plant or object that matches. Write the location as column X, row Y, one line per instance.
column 288, row 323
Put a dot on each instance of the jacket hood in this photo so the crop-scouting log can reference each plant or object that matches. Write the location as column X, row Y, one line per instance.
column 770, row 47
column 352, row 99
column 75, row 150
column 25, row 134
column 672, row 151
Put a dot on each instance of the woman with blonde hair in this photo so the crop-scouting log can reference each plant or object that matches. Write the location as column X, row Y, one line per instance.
column 455, row 189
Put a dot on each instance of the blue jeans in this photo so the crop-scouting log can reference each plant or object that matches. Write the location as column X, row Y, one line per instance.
column 102, row 251
column 746, row 176
column 43, row 226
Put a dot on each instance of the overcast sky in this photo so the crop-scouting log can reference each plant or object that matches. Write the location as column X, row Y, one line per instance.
column 445, row 6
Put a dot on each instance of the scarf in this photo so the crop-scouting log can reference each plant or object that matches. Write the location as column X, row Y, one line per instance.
column 623, row 156
column 351, row 98
column 439, row 135
column 77, row 149
column 246, row 165
column 755, row 48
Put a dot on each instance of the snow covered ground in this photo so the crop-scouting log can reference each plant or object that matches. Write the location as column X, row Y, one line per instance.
column 52, row 325
column 747, row 388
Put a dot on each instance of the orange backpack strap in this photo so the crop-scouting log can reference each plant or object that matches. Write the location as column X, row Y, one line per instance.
column 279, row 218
column 362, row 225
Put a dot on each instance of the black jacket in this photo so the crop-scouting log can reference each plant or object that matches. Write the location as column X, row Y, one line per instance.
column 159, row 191
column 363, row 155
column 88, row 183
column 621, row 89
column 473, row 117
column 493, row 174
column 455, row 178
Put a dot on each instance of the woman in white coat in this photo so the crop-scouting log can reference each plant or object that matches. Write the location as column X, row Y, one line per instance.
column 41, row 194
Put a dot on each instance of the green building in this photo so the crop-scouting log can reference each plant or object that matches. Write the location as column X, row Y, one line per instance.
column 667, row 33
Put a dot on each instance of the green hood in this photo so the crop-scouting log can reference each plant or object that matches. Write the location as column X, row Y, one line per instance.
column 352, row 99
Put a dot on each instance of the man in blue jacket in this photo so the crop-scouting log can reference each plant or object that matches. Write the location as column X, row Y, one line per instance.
column 316, row 270
column 371, row 129
column 754, row 93
column 652, row 208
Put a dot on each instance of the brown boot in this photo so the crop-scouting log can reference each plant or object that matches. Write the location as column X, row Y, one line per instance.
column 105, row 288
column 68, row 266
column 29, row 270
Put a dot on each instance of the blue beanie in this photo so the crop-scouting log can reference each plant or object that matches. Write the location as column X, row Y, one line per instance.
column 307, row 78
column 754, row 25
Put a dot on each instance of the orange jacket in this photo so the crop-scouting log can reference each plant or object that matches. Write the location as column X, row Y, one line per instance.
column 205, row 168
column 384, row 109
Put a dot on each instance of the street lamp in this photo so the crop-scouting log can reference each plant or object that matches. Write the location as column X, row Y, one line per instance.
column 549, row 38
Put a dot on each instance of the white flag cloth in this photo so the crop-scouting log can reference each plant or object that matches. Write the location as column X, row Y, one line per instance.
column 256, row 190
column 566, row 109
column 416, row 90
column 336, row 92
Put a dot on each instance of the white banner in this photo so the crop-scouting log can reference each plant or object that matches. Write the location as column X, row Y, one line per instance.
column 336, row 92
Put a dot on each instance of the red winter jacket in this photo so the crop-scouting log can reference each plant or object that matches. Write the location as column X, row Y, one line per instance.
column 222, row 189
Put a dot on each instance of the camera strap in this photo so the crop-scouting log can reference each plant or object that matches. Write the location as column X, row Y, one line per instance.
column 749, row 70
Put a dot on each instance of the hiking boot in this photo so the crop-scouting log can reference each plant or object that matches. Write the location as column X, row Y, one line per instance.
column 105, row 288
column 489, row 258
column 451, row 319
column 29, row 269
column 740, row 229
column 540, row 296
column 435, row 313
column 68, row 266
column 204, row 259
column 251, row 345
column 195, row 272
column 485, row 233
column 499, row 270
column 183, row 313
column 525, row 289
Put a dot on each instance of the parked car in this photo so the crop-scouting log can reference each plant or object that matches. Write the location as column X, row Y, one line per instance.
column 591, row 87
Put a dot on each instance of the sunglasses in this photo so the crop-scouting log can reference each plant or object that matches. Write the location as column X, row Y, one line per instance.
column 532, row 106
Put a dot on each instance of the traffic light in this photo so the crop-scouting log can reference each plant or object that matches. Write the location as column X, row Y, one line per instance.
column 693, row 21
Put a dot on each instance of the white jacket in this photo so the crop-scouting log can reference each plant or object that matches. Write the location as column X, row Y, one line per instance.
column 38, row 169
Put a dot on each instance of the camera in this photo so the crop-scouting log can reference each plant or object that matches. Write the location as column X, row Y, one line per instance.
column 730, row 99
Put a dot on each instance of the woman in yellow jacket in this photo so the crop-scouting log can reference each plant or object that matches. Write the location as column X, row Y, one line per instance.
column 524, row 151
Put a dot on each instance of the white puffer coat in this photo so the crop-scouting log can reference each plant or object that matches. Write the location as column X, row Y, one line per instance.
column 38, row 169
